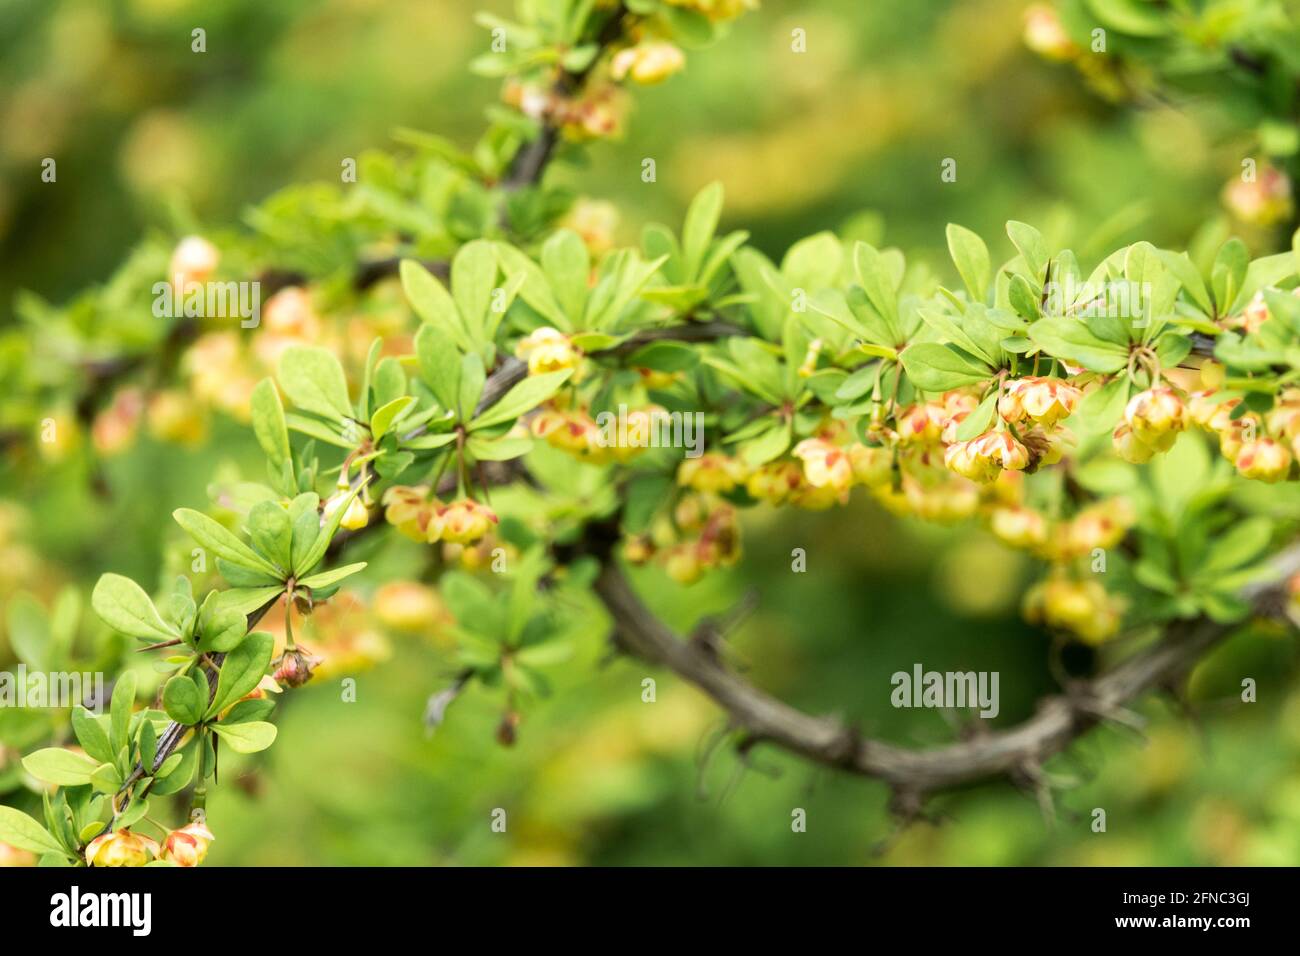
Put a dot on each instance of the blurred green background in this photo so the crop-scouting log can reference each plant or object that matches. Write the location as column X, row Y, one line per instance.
column 851, row 132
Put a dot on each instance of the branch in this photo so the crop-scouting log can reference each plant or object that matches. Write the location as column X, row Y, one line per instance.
column 1059, row 721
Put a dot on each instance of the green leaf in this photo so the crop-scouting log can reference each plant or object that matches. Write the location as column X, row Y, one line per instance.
column 971, row 256
column 221, row 542
column 123, row 606
column 879, row 287
column 439, row 364
column 1134, row 17
column 769, row 445
column 120, row 710
column 91, row 734
column 498, row 449
column 245, row 600
column 472, row 379
column 1029, row 243
column 434, row 304
column 322, row 542
column 567, row 264
column 1241, row 544
column 60, row 767
column 1070, row 339
column 313, row 379
column 271, row 533
column 325, row 578
column 473, row 277
column 248, row 737
column 21, row 831
column 427, row 442
column 315, row 428
column 701, row 223
column 242, row 670
column 937, row 368
column 183, row 700
column 524, row 397
column 978, row 421
column 268, row 422
column 388, row 413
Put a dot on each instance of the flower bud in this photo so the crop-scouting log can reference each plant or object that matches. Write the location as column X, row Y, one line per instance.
column 1264, row 459
column 115, row 429
column 1156, row 416
column 1045, row 35
column 174, row 416
column 356, row 516
column 638, row 549
column 294, row 667
column 11, row 856
column 121, row 848
column 683, row 565
column 187, row 846
column 1264, row 201
column 193, row 260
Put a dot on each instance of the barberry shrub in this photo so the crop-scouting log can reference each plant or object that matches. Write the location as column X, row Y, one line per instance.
column 545, row 408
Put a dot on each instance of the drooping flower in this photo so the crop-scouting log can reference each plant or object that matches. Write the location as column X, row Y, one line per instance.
column 187, row 846
column 121, row 848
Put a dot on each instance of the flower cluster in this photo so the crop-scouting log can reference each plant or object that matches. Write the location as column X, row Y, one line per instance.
column 416, row 513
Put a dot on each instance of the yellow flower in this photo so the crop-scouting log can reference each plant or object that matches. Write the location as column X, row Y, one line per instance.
column 121, row 848
column 1043, row 399
column 1083, row 608
column 714, row 472
column 187, row 846
column 963, row 458
column 1019, row 527
column 1129, row 447
column 872, row 466
column 1102, row 525
column 1045, row 35
column 825, row 465
column 462, row 522
column 193, row 260
column 1264, row 460
column 1156, row 416
column 648, row 63
column 921, row 423
column 356, row 515
column 548, row 350
column 409, row 606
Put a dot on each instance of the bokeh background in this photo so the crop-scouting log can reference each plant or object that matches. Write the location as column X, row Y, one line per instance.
column 150, row 137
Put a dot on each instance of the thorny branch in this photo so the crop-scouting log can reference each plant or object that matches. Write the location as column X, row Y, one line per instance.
column 1017, row 752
